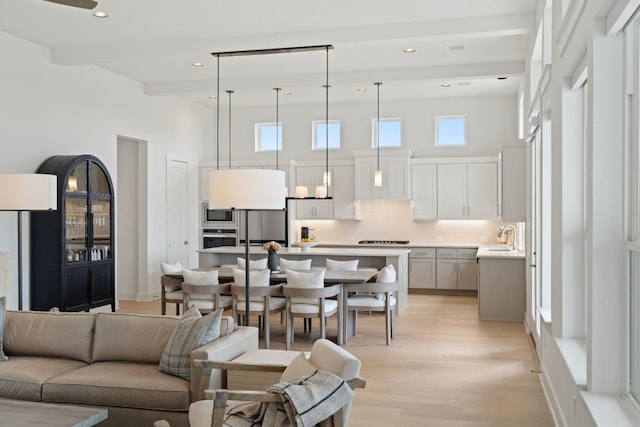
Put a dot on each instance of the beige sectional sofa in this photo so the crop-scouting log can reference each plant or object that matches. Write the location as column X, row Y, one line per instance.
column 109, row 360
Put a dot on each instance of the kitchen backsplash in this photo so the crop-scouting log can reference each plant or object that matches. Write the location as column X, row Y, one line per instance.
column 392, row 220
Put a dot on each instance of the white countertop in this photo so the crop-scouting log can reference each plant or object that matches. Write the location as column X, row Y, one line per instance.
column 322, row 251
column 486, row 252
column 409, row 246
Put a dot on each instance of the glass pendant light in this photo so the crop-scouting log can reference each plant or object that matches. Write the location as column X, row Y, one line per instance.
column 377, row 176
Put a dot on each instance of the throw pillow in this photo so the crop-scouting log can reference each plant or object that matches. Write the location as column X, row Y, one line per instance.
column 299, row 367
column 306, row 280
column 3, row 310
column 386, row 275
column 291, row 264
column 256, row 278
column 170, row 268
column 257, row 264
column 186, row 336
column 351, row 265
column 200, row 277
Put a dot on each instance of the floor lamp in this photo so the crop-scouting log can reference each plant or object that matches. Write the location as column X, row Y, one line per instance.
column 27, row 192
column 247, row 190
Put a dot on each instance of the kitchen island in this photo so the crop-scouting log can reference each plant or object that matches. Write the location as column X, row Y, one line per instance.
column 501, row 283
column 369, row 258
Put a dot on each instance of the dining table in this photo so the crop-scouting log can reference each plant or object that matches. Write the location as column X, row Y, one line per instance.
column 331, row 277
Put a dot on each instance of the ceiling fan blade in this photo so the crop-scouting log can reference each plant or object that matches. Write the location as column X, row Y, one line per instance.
column 85, row 4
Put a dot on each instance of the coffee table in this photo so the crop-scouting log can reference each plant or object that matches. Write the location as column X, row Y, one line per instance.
column 22, row 413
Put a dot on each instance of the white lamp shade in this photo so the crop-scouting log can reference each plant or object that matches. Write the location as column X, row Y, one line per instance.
column 246, row 189
column 302, row 191
column 28, row 192
column 321, row 191
column 377, row 178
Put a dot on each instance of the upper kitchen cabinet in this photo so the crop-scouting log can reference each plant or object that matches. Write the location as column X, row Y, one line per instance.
column 424, row 190
column 345, row 204
column 312, row 177
column 72, row 248
column 513, row 183
column 468, row 190
column 394, row 164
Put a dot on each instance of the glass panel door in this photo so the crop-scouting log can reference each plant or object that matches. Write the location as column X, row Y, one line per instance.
column 101, row 232
column 98, row 183
column 76, row 229
column 77, row 182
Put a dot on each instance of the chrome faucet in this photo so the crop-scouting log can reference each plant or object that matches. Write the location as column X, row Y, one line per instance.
column 514, row 234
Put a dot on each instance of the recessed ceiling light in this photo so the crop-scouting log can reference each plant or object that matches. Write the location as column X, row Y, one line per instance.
column 286, row 93
column 213, row 97
column 502, row 78
column 453, row 47
column 198, row 64
column 409, row 50
column 362, row 89
column 445, row 85
column 100, row 14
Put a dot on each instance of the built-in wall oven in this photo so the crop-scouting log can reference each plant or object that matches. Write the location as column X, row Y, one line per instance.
column 216, row 237
column 218, row 218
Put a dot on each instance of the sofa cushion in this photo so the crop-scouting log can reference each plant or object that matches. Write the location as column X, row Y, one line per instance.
column 47, row 334
column 21, row 377
column 133, row 385
column 187, row 335
column 131, row 337
column 3, row 310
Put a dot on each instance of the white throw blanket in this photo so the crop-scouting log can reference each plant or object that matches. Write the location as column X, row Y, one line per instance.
column 306, row 401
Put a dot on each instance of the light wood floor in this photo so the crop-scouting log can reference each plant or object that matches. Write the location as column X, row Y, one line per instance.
column 444, row 367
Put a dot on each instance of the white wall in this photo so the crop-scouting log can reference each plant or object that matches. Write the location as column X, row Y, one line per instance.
column 49, row 110
column 491, row 123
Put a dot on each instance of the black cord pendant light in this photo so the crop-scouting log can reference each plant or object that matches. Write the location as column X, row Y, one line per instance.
column 377, row 176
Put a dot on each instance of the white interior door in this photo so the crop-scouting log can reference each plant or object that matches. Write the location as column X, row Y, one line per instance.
column 177, row 212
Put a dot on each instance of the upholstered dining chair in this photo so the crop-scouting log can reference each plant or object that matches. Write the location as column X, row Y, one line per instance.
column 375, row 296
column 324, row 356
column 170, row 287
column 170, row 293
column 264, row 299
column 202, row 289
column 307, row 297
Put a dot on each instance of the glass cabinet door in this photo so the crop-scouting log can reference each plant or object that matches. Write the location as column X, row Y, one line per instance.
column 76, row 235
column 101, row 232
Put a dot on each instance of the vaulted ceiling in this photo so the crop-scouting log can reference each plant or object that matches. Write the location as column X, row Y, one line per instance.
column 462, row 47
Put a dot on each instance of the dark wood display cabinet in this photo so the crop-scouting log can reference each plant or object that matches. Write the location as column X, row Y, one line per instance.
column 72, row 249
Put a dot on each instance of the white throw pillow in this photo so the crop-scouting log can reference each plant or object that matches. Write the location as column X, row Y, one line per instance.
column 256, row 278
column 170, row 268
column 351, row 265
column 291, row 264
column 386, row 275
column 258, row 264
column 192, row 277
column 310, row 280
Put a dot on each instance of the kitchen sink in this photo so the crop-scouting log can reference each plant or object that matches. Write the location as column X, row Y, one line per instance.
column 500, row 249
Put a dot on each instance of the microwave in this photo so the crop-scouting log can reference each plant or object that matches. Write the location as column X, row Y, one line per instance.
column 218, row 217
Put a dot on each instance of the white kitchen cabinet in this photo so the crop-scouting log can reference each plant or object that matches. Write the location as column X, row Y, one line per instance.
column 456, row 269
column 395, row 176
column 424, row 191
column 343, row 188
column 312, row 176
column 422, row 268
column 467, row 190
column 513, row 182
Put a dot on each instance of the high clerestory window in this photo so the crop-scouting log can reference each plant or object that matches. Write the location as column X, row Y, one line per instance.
column 390, row 132
column 451, row 131
column 266, row 134
column 319, row 137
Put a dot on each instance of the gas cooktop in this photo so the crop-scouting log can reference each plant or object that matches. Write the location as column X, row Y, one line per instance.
column 383, row 242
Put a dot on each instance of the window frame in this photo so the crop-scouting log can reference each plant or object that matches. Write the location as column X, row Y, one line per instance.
column 449, row 117
column 258, row 127
column 374, row 131
column 314, row 135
